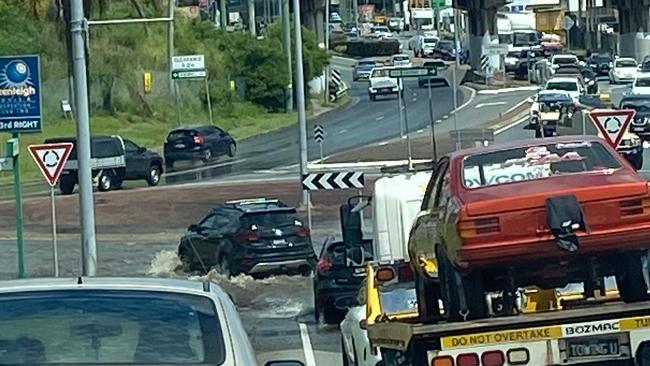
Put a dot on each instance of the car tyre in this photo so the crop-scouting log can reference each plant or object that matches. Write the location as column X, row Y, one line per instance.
column 104, row 182
column 452, row 282
column 155, row 172
column 117, row 184
column 232, row 150
column 187, row 259
column 207, row 156
column 223, row 266
column 66, row 187
column 373, row 97
column 630, row 279
column 169, row 164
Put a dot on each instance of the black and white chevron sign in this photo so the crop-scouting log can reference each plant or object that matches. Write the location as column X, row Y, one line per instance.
column 319, row 133
column 339, row 180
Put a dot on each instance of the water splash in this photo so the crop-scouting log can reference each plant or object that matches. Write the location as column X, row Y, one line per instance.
column 165, row 264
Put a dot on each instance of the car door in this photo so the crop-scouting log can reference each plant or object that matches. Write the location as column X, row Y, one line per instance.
column 136, row 161
column 223, row 140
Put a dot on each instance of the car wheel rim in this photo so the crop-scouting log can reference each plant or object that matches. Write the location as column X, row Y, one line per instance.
column 155, row 175
column 208, row 154
column 232, row 149
column 105, row 182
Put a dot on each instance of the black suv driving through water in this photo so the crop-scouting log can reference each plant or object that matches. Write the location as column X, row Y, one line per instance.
column 255, row 236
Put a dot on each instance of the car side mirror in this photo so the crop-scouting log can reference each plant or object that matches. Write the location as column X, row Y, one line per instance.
column 284, row 363
column 194, row 228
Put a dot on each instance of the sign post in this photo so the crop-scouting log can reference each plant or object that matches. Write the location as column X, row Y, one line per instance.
column 51, row 159
column 612, row 123
column 20, row 112
column 190, row 67
column 434, row 148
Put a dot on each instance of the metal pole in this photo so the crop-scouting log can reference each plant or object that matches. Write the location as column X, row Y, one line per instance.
column 300, row 93
column 320, row 144
column 408, row 136
column 224, row 14
column 55, row 249
column 584, row 122
column 309, row 218
column 433, row 124
column 286, row 30
column 251, row 17
column 355, row 12
column 326, row 92
column 207, row 92
column 18, row 193
column 86, row 204
column 399, row 107
column 456, row 66
column 170, row 47
column 178, row 103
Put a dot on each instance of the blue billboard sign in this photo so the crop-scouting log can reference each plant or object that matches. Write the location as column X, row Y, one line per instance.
column 20, row 94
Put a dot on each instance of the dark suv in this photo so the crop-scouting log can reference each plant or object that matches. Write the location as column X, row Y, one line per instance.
column 203, row 143
column 256, row 237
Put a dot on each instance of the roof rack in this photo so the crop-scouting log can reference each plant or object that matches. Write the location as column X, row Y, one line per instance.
column 251, row 201
column 409, row 168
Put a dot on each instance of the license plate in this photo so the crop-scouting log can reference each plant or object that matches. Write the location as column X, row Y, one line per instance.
column 549, row 116
column 279, row 242
column 593, row 348
column 179, row 146
column 385, row 89
column 638, row 129
column 360, row 271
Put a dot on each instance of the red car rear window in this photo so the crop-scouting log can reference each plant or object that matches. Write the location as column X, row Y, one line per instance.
column 536, row 162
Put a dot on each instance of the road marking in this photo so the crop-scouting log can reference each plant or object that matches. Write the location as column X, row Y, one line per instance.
column 415, row 99
column 420, row 131
column 439, row 121
column 445, row 116
column 379, row 118
column 508, row 90
column 310, row 360
column 383, row 143
column 471, row 98
column 506, row 128
column 342, row 132
column 481, row 105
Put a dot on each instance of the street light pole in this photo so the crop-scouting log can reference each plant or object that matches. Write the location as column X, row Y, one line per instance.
column 170, row 47
column 251, row 17
column 326, row 91
column 300, row 94
column 223, row 12
column 456, row 66
column 86, row 204
column 286, row 30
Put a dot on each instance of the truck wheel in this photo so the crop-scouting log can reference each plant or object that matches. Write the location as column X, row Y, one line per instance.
column 629, row 278
column 372, row 97
column 105, row 182
column 452, row 282
column 428, row 294
column 66, row 187
column 153, row 178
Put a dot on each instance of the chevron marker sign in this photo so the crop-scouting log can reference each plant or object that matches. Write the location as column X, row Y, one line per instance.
column 339, row 180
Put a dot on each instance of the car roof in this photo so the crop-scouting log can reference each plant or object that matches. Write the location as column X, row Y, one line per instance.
column 192, row 127
column 73, row 139
column 625, row 59
column 153, row 284
column 565, row 55
column 563, row 79
column 643, row 75
column 251, row 205
column 521, row 143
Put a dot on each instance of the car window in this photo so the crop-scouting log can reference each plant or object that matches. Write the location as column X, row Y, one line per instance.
column 401, row 58
column 443, row 193
column 209, row 222
column 106, row 148
column 642, row 82
column 180, row 135
column 109, row 327
column 378, row 73
column 430, row 40
column 222, row 223
column 565, row 60
column 270, row 219
column 536, row 162
column 130, row 146
column 433, row 189
column 625, row 63
column 562, row 85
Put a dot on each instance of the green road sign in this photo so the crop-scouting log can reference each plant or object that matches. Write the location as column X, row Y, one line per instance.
column 189, row 74
column 413, row 72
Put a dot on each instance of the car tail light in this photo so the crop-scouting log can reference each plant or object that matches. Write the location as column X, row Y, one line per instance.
column 324, row 265
column 518, row 356
column 384, row 274
column 635, row 207
column 363, row 324
column 198, row 139
column 493, row 358
column 472, row 228
column 303, row 232
column 442, row 361
column 247, row 235
column 467, row 359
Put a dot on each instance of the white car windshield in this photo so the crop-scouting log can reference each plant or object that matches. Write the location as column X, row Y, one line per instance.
column 562, row 85
column 565, row 60
column 379, row 73
column 625, row 63
column 642, row 82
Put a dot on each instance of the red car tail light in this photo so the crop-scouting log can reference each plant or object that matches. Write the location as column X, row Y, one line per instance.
column 472, row 228
column 303, row 232
column 384, row 274
column 199, row 140
column 324, row 265
column 247, row 235
column 493, row 358
column 635, row 207
column 467, row 359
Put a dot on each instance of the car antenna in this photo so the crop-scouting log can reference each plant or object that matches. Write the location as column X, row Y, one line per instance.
column 79, row 281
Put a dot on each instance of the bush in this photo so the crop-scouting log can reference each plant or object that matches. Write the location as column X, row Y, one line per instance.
column 373, row 47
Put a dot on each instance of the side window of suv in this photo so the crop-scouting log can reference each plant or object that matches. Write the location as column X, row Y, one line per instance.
column 130, row 147
column 433, row 188
column 209, row 222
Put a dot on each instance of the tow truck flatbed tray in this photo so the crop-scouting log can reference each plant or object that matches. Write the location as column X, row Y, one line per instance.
column 398, row 335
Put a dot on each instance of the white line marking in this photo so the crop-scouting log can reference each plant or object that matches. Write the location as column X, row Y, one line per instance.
column 481, row 105
column 439, row 121
column 513, row 124
column 383, row 143
column 310, row 360
column 415, row 99
column 516, row 106
column 420, row 131
column 342, row 132
column 379, row 118
column 445, row 116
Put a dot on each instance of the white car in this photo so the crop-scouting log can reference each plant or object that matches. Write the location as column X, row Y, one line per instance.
column 355, row 345
column 121, row 321
column 561, row 60
column 401, row 60
column 641, row 85
column 624, row 70
column 535, row 115
column 382, row 84
column 571, row 85
column 382, row 31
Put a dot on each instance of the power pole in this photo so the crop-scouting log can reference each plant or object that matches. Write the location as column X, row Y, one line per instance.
column 355, row 13
column 286, row 33
column 300, row 93
column 170, row 47
column 326, row 92
column 224, row 13
column 251, row 17
column 79, row 28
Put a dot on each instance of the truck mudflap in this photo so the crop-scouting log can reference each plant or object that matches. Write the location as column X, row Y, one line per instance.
column 615, row 333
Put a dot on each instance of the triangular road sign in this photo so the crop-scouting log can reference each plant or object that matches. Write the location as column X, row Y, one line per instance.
column 51, row 159
column 612, row 123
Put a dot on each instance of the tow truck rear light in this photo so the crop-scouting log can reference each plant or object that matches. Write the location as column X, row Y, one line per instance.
column 384, row 274
column 442, row 361
column 467, row 359
column 518, row 356
column 493, row 358
column 635, row 207
column 472, row 228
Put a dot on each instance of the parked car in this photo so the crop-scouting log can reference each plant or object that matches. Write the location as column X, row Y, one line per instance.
column 113, row 160
column 382, row 84
column 257, row 237
column 601, row 63
column 568, row 185
column 363, row 68
column 340, row 271
column 641, row 84
column 434, row 80
column 401, row 60
column 624, row 70
column 125, row 321
column 640, row 125
column 203, row 142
